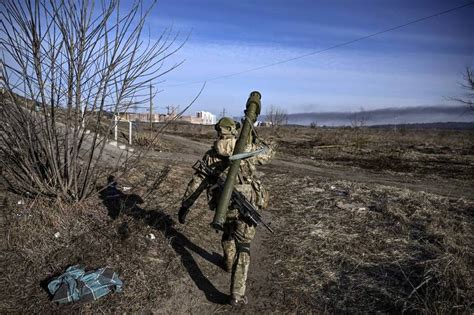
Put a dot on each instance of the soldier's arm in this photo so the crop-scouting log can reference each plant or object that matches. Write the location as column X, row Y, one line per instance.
column 195, row 187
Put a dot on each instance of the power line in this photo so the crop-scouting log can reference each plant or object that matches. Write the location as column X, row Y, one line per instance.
column 328, row 48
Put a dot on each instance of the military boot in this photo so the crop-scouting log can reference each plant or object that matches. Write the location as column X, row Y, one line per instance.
column 238, row 301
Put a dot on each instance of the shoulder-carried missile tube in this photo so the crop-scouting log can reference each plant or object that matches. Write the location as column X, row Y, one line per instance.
column 252, row 111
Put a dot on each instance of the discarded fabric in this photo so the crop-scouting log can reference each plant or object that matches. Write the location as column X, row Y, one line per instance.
column 77, row 285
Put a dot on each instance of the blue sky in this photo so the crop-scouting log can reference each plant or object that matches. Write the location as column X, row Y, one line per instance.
column 421, row 64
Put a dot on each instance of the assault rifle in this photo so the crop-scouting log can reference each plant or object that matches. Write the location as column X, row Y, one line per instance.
column 238, row 200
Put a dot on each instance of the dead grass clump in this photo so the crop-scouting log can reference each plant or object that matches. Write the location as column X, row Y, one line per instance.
column 87, row 236
column 348, row 247
column 422, row 152
column 93, row 234
column 148, row 141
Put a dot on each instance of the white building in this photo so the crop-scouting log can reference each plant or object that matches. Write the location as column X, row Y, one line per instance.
column 207, row 118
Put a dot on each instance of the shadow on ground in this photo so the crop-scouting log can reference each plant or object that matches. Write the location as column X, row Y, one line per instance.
column 118, row 203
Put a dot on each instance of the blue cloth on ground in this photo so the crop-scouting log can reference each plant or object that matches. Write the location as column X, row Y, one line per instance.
column 77, row 285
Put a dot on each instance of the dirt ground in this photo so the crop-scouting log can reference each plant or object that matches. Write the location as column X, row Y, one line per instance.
column 366, row 221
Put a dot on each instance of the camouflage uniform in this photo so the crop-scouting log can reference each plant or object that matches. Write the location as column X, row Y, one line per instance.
column 237, row 233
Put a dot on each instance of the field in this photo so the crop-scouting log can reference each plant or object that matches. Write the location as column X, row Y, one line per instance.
column 366, row 221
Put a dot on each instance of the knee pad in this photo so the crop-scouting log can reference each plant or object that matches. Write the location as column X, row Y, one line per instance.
column 243, row 248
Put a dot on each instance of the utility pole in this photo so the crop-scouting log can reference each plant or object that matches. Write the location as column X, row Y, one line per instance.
column 223, row 112
column 151, row 109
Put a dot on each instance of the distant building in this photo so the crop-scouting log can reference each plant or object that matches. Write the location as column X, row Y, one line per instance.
column 140, row 117
column 259, row 123
column 206, row 117
column 201, row 118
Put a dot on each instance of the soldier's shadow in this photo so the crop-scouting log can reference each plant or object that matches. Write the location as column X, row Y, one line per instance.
column 119, row 203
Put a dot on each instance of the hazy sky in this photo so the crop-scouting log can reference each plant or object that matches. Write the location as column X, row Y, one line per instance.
column 420, row 64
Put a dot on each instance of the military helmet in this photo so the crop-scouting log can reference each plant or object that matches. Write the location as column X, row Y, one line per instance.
column 227, row 126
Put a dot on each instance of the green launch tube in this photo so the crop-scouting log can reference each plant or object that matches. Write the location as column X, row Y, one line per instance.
column 252, row 111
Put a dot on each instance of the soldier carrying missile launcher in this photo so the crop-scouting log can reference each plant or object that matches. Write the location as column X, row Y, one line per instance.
column 233, row 190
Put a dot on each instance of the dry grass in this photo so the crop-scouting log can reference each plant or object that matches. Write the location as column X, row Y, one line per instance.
column 145, row 140
column 429, row 152
column 88, row 236
column 351, row 248
column 339, row 247
column 408, row 152
column 155, row 272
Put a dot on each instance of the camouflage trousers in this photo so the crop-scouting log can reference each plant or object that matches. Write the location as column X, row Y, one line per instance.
column 236, row 245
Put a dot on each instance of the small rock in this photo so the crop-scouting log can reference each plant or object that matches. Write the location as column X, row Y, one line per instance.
column 57, row 235
column 21, row 202
column 154, row 260
column 345, row 206
column 125, row 188
column 151, row 236
column 333, row 187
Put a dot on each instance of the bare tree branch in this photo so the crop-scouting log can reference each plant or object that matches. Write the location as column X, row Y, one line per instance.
column 66, row 66
column 276, row 116
column 468, row 85
column 359, row 119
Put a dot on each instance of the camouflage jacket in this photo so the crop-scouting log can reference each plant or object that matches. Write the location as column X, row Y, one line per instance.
column 247, row 182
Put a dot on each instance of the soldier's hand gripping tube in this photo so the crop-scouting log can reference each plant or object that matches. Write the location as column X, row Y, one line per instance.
column 252, row 110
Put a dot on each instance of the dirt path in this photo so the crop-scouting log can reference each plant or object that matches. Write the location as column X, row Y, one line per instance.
column 449, row 188
column 193, row 150
column 206, row 290
column 188, row 146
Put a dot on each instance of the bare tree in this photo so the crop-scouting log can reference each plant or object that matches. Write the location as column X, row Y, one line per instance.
column 66, row 66
column 359, row 119
column 468, row 85
column 276, row 116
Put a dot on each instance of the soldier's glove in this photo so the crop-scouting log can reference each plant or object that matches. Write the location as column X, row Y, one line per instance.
column 182, row 213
